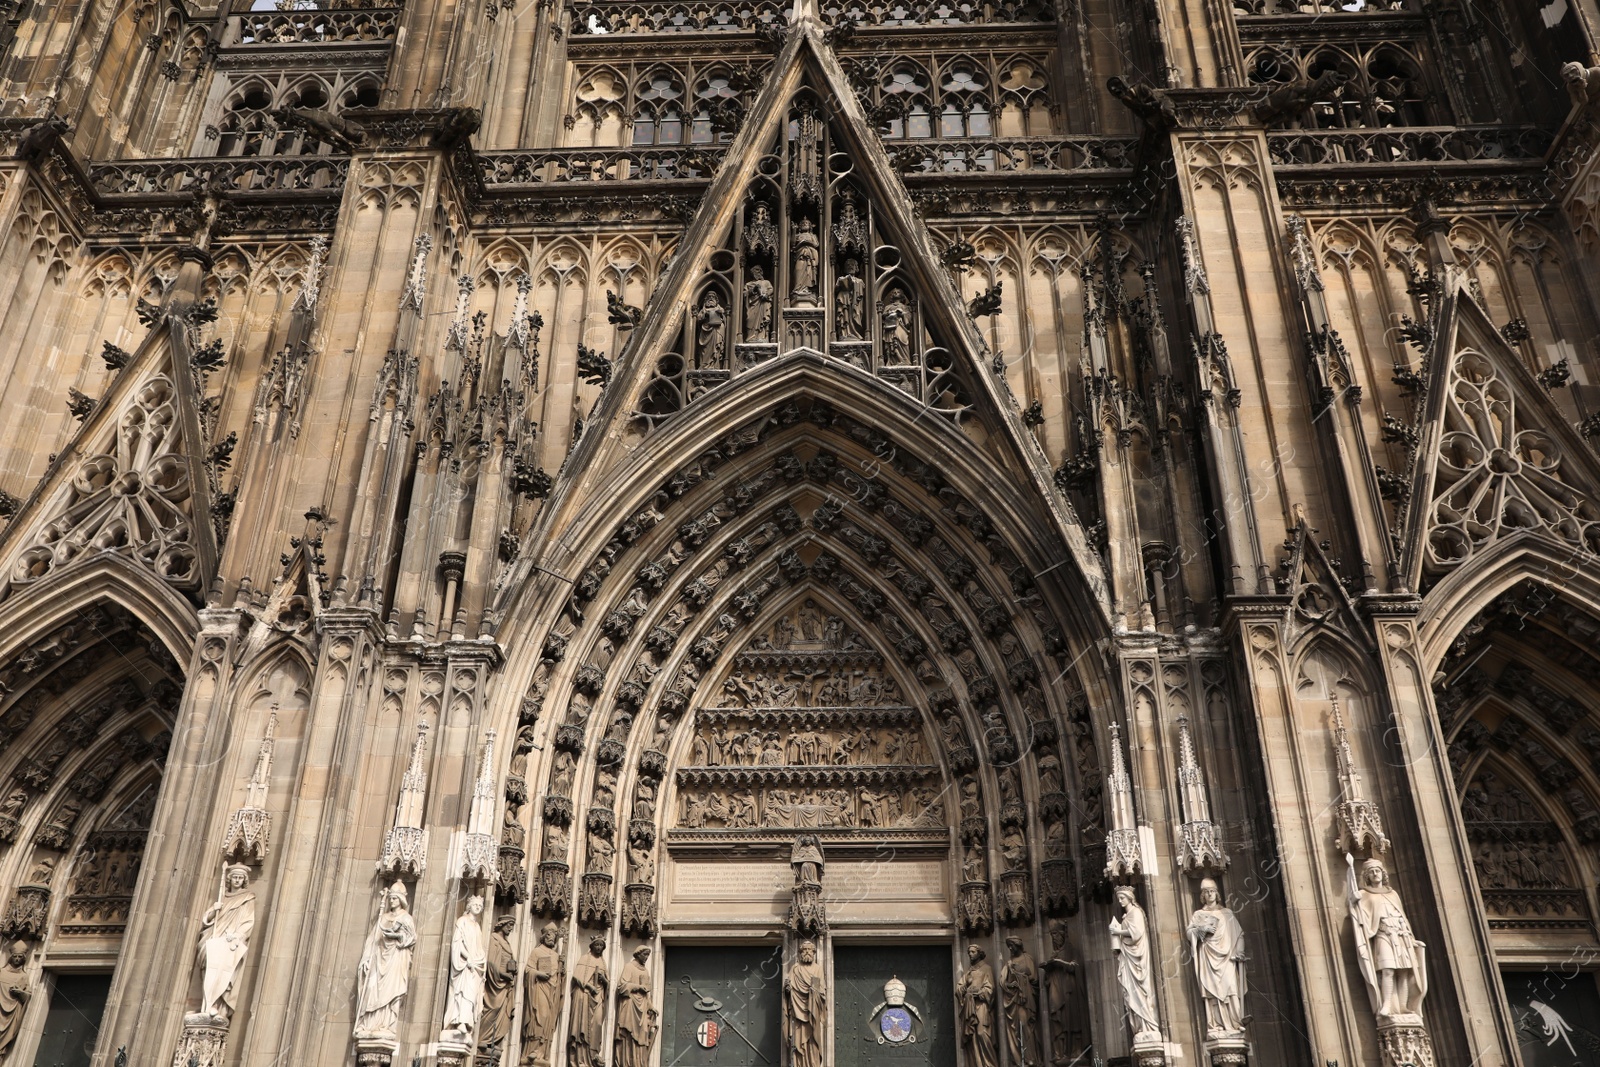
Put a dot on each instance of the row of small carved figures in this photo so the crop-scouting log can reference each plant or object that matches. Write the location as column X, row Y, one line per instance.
column 729, row 747
column 917, row 806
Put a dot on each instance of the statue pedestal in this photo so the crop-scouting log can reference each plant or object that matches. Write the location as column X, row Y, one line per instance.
column 1230, row 1050
column 1149, row 1050
column 1404, row 1041
column 201, row 1044
column 451, row 1052
column 802, row 328
column 375, row 1052
column 856, row 353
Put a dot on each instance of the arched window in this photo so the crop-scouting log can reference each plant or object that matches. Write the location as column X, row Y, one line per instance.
column 905, row 87
column 658, row 110
column 964, row 110
column 715, row 91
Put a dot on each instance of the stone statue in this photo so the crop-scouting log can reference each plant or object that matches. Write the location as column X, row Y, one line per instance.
column 975, row 1001
column 637, row 1018
column 468, row 962
column 15, row 989
column 1217, row 943
column 1130, row 940
column 710, row 331
column 757, row 307
column 384, row 973
column 499, row 985
column 1393, row 962
column 1068, row 1009
column 588, row 1023
column 895, row 318
column 807, row 254
column 1019, row 991
column 224, row 940
column 849, row 303
column 805, row 1008
column 541, row 999
column 805, row 857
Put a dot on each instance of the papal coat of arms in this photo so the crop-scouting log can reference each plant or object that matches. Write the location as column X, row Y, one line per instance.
column 897, row 1020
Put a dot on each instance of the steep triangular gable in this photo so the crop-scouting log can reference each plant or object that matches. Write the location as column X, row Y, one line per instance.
column 807, row 241
column 1495, row 456
column 132, row 480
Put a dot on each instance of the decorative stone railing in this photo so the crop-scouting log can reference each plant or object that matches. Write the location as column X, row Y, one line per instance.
column 937, row 12
column 732, row 16
column 368, row 26
column 599, row 165
column 1408, row 144
column 1011, row 155
column 238, row 174
column 1316, row 7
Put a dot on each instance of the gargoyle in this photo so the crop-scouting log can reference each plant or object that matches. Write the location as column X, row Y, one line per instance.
column 1583, row 83
column 1291, row 100
column 33, row 143
column 324, row 126
column 1153, row 106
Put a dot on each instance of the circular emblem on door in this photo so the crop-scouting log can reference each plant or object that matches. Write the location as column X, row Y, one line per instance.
column 895, row 1024
column 707, row 1033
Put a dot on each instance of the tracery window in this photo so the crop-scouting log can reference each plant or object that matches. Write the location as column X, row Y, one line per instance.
column 1382, row 83
column 959, row 96
column 658, row 110
column 245, row 126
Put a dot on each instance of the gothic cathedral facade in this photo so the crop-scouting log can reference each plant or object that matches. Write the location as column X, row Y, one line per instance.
column 800, row 533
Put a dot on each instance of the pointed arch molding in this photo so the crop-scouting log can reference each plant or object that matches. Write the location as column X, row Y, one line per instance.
column 780, row 507
column 984, row 439
column 1497, row 459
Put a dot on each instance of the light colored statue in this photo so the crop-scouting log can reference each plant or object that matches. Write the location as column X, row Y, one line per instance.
column 805, row 1015
column 499, row 985
column 1217, row 943
column 1130, row 940
column 468, row 961
column 637, row 1018
column 541, row 998
column 15, row 989
column 1019, row 992
column 224, row 940
column 384, row 973
column 585, row 1028
column 975, row 999
column 1393, row 962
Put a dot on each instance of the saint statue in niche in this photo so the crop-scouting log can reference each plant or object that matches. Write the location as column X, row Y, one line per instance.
column 849, row 303
column 1217, row 941
column 227, row 925
column 1393, row 961
column 895, row 319
column 757, row 307
column 384, row 973
column 710, row 331
column 807, row 256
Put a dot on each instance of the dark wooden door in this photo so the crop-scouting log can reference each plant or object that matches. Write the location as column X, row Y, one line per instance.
column 859, row 974
column 745, row 983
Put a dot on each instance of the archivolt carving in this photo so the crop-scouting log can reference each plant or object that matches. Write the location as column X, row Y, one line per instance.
column 736, row 782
